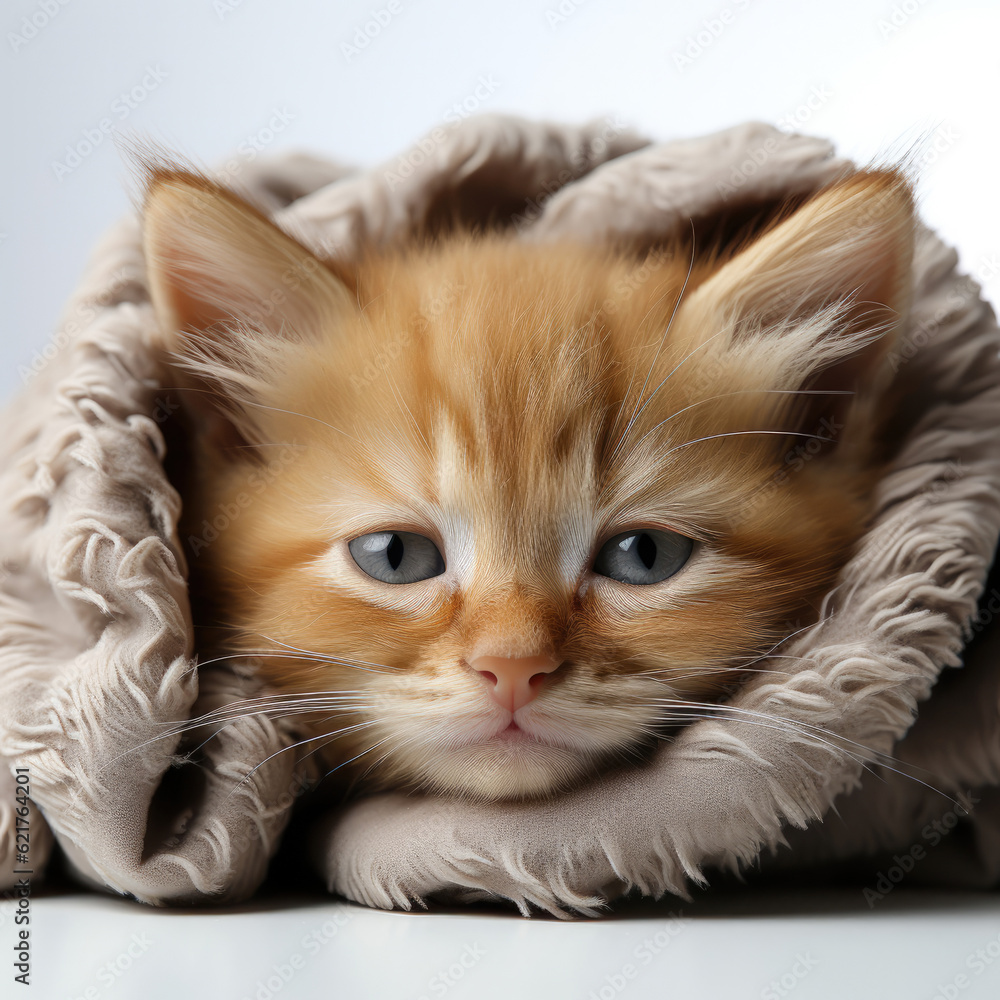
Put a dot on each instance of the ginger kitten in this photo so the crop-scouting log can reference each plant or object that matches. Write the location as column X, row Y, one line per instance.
column 528, row 505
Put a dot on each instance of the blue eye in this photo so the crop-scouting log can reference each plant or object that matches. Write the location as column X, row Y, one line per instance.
column 644, row 556
column 397, row 556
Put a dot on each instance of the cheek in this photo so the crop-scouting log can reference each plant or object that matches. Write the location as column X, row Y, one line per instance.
column 307, row 612
column 716, row 608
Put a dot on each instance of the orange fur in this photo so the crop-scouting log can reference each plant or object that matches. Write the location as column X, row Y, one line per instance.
column 519, row 405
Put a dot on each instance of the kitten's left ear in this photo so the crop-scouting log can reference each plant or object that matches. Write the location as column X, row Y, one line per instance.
column 211, row 258
column 230, row 290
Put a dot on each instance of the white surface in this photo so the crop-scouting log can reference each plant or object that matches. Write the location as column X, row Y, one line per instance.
column 728, row 949
column 924, row 86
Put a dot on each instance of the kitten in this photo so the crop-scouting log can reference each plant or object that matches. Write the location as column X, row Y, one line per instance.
column 499, row 513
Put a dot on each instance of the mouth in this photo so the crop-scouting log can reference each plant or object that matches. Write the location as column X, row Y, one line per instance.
column 479, row 749
column 513, row 733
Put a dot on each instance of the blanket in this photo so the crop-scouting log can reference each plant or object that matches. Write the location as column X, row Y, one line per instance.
column 894, row 694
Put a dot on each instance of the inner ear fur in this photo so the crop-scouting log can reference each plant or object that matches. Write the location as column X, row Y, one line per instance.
column 230, row 290
column 815, row 302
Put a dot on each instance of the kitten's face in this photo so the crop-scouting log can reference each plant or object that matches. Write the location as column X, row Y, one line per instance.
column 493, row 505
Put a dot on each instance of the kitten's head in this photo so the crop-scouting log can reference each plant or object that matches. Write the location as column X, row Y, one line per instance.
column 500, row 501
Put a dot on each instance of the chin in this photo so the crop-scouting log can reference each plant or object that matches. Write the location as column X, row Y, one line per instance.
column 509, row 766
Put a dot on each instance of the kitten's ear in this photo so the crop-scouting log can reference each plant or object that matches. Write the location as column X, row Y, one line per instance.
column 230, row 289
column 816, row 301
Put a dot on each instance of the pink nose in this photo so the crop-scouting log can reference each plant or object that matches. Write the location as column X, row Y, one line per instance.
column 514, row 682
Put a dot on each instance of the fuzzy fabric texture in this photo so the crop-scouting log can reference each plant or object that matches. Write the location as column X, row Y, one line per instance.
column 97, row 657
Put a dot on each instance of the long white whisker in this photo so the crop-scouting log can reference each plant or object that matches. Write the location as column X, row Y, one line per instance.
column 314, row 657
column 741, row 392
column 226, row 715
column 864, row 755
column 332, row 659
column 640, row 407
column 292, row 746
column 712, row 437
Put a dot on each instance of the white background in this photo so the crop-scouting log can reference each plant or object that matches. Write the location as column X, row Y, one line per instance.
column 890, row 84
column 887, row 79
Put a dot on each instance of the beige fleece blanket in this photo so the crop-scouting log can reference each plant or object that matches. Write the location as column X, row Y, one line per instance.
column 98, row 660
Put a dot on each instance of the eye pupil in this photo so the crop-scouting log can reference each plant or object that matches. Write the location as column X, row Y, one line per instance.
column 394, row 552
column 646, row 550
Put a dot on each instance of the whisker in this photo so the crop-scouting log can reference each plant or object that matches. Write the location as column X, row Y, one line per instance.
column 726, row 434
column 371, row 767
column 227, row 717
column 292, row 746
column 225, row 723
column 741, row 392
column 327, row 657
column 639, row 408
column 278, row 710
column 710, row 671
column 310, row 656
column 261, row 406
column 864, row 755
column 356, row 757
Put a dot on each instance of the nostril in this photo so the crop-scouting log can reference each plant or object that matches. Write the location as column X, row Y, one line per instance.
column 513, row 682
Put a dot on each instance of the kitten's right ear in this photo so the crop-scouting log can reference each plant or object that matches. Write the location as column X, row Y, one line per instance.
column 230, row 289
column 815, row 303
